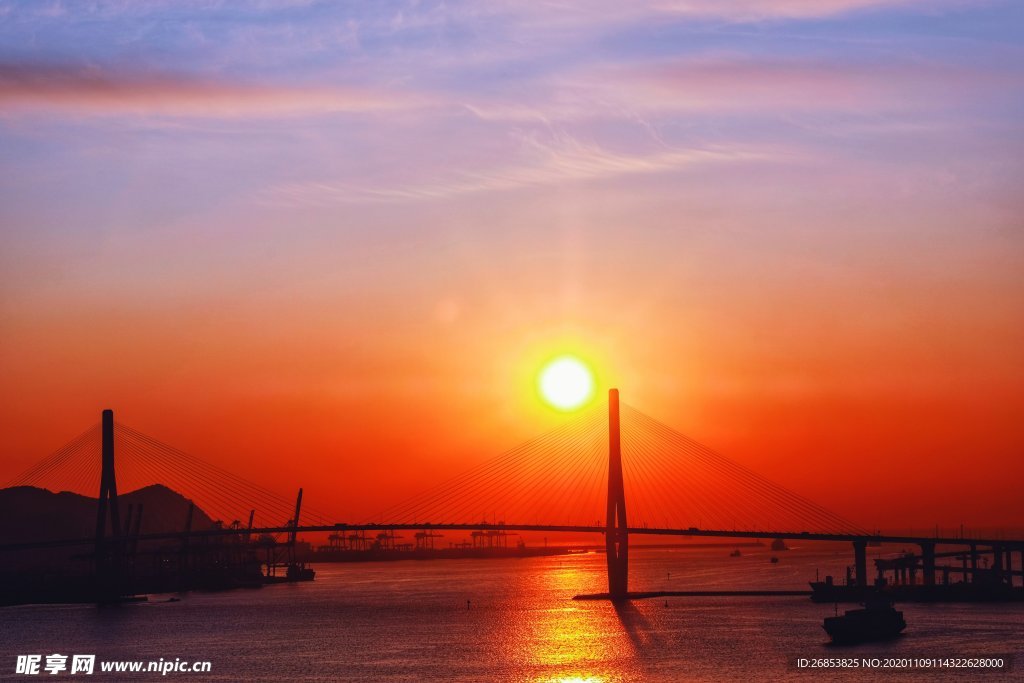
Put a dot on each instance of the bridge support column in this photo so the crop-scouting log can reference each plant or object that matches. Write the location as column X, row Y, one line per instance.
column 928, row 562
column 860, row 561
column 974, row 562
column 616, row 536
column 106, row 507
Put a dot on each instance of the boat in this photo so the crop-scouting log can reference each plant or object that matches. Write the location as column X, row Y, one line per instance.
column 878, row 620
column 779, row 544
column 294, row 571
column 300, row 572
column 774, row 560
column 735, row 553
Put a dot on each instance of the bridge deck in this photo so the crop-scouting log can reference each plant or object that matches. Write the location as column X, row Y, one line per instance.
column 568, row 528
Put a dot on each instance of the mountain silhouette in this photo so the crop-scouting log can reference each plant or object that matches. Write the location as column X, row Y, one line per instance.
column 30, row 514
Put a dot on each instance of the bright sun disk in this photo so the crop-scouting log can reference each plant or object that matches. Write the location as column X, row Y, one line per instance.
column 566, row 383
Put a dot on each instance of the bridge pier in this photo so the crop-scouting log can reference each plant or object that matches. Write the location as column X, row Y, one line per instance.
column 616, row 536
column 1008, row 564
column 1022, row 567
column 860, row 560
column 928, row 562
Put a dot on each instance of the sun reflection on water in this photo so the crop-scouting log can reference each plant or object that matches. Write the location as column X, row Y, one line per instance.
column 556, row 640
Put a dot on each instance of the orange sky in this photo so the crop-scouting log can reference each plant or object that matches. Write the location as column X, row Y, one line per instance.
column 342, row 269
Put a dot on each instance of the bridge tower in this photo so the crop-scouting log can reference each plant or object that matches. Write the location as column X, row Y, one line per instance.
column 616, row 536
column 106, row 505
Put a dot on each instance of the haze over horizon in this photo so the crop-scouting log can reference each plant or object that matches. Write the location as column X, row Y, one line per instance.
column 332, row 246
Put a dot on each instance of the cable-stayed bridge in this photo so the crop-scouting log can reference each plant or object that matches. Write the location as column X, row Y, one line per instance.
column 613, row 471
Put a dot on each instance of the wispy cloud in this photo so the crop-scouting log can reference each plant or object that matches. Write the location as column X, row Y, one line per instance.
column 567, row 160
column 585, row 20
column 742, row 84
column 93, row 91
column 555, row 14
column 746, row 10
column 747, row 83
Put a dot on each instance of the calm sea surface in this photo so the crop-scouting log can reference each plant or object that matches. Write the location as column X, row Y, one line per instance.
column 409, row 621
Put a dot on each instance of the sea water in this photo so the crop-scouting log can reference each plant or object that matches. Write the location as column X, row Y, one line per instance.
column 515, row 620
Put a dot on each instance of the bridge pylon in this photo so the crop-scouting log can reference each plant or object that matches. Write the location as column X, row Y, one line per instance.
column 106, row 507
column 616, row 536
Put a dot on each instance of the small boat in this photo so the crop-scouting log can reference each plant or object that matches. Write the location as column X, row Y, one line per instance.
column 779, row 544
column 774, row 560
column 300, row 572
column 735, row 553
column 879, row 620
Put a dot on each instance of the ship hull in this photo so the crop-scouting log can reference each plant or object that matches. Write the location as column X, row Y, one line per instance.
column 861, row 626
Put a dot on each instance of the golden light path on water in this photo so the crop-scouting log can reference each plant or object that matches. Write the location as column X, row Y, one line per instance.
column 562, row 641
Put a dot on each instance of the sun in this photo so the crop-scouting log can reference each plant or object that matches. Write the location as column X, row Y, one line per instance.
column 566, row 383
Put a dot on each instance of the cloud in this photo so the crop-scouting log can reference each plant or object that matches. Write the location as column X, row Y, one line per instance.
column 744, row 85
column 93, row 91
column 752, row 10
column 566, row 161
column 747, row 83
column 556, row 15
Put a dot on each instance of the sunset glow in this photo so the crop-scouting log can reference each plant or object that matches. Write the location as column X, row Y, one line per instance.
column 576, row 341
column 356, row 233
